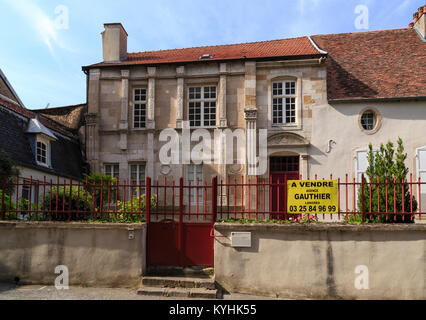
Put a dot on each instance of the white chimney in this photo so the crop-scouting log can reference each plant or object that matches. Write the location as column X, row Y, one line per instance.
column 114, row 42
column 419, row 23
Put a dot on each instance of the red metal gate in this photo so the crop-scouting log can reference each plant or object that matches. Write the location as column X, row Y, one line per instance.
column 180, row 224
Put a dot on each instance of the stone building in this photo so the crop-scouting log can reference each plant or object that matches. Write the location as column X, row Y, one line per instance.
column 322, row 100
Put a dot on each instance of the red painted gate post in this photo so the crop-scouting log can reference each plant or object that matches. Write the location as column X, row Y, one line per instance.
column 214, row 213
column 214, row 200
column 148, row 201
column 147, row 215
column 180, row 226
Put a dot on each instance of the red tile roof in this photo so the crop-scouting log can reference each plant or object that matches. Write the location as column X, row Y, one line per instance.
column 288, row 48
column 374, row 65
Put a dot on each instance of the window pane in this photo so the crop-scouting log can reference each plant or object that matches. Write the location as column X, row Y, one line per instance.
column 290, row 110
column 277, row 89
column 368, row 121
column 140, row 116
column 290, row 88
column 195, row 175
column 277, row 111
column 140, row 95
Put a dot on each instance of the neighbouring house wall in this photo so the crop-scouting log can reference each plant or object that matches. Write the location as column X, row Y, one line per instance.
column 95, row 254
column 319, row 261
column 405, row 119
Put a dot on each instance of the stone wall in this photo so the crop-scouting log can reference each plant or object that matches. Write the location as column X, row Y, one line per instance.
column 320, row 261
column 98, row 255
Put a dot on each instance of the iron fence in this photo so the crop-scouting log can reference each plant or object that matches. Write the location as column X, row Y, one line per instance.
column 369, row 200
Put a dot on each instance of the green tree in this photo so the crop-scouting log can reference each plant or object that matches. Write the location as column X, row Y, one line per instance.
column 8, row 172
column 387, row 175
column 101, row 186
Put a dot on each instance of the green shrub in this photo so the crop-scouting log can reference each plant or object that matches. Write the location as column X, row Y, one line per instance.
column 12, row 210
column 132, row 211
column 95, row 181
column 387, row 164
column 59, row 198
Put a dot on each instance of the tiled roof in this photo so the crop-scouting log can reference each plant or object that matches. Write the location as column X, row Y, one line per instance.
column 69, row 117
column 374, row 65
column 31, row 115
column 296, row 47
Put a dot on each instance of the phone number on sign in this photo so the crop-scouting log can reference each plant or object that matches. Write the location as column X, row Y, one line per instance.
column 312, row 209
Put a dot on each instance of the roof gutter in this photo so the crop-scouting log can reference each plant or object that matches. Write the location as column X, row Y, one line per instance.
column 338, row 101
column 277, row 58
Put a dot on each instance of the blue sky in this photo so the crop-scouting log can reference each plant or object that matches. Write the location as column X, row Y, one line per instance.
column 42, row 53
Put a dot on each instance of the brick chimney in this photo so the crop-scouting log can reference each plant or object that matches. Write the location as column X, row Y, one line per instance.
column 419, row 22
column 114, row 42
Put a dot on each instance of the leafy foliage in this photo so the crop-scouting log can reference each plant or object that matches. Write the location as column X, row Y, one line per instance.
column 132, row 211
column 8, row 171
column 386, row 167
column 59, row 199
column 100, row 186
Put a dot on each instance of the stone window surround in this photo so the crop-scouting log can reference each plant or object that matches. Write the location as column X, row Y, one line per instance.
column 378, row 120
column 299, row 105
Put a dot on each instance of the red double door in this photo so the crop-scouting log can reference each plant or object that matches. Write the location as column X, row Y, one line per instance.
column 282, row 170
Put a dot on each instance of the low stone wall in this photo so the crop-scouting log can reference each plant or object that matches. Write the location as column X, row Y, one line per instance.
column 96, row 254
column 320, row 261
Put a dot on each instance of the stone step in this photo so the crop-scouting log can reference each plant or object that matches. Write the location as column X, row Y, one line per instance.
column 200, row 272
column 179, row 282
column 196, row 293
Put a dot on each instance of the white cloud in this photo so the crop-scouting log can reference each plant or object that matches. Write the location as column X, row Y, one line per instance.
column 39, row 21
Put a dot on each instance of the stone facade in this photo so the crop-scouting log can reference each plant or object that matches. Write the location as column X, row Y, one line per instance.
column 241, row 87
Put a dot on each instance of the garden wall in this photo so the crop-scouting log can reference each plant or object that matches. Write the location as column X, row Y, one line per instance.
column 319, row 261
column 96, row 254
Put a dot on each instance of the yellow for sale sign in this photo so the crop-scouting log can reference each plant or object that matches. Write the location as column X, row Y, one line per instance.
column 314, row 197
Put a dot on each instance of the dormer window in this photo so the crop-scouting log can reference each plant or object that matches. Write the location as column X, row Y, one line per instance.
column 42, row 153
column 206, row 56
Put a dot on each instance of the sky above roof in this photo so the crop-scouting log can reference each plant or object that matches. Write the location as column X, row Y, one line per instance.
column 46, row 42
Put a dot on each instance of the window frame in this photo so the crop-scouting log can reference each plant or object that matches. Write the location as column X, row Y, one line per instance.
column 200, row 176
column 138, row 181
column 113, row 173
column 141, row 103
column 202, row 102
column 283, row 97
column 45, row 143
column 419, row 169
column 378, row 120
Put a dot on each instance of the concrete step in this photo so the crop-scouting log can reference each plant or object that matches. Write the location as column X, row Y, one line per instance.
column 197, row 293
column 179, row 282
